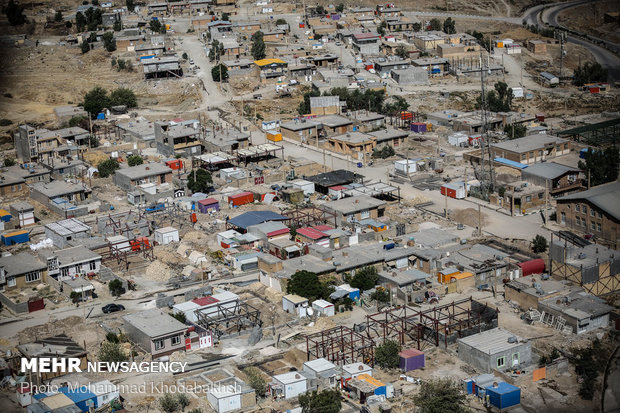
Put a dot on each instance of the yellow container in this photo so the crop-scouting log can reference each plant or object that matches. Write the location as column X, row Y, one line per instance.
column 274, row 136
column 429, row 127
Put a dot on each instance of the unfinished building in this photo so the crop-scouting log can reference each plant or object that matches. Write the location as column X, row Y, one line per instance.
column 229, row 318
column 158, row 67
column 340, row 345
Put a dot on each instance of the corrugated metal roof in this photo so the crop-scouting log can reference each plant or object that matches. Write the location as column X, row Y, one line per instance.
column 254, row 218
column 491, row 341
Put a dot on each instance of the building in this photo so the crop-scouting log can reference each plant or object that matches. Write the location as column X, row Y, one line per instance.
column 390, row 137
column 32, row 144
column 304, row 131
column 71, row 262
column 295, row 304
column 248, row 27
column 410, row 76
column 529, row 292
column 65, row 113
column 582, row 312
column 353, row 370
column 59, row 346
column 147, row 173
column 594, row 211
column 356, row 144
column 46, row 192
column 12, row 185
column 178, row 138
column 426, row 41
column 21, row 270
column 531, row 149
column 230, row 393
column 334, row 124
column 271, row 68
column 225, row 140
column 321, row 371
column 356, row 208
column 63, row 232
column 489, row 265
column 325, row 105
column 24, row 212
column 166, row 235
column 537, row 46
column 366, row 44
column 411, row 359
column 558, row 179
column 495, row 349
column 155, row 332
column 288, row 385
column 548, row 79
column 268, row 231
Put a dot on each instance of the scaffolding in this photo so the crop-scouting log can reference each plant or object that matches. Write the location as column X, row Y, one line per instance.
column 439, row 326
column 122, row 255
column 340, row 345
column 228, row 318
column 307, row 216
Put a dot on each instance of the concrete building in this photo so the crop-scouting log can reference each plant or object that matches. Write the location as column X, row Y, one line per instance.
column 21, row 270
column 531, row 149
column 288, row 385
column 32, row 145
column 229, row 394
column 495, row 349
column 155, row 332
column 594, row 211
column 390, row 137
column 71, row 262
column 320, row 373
column 356, row 144
column 23, row 212
column 325, row 105
column 356, row 208
column 334, row 124
column 151, row 172
column 62, row 232
column 304, row 131
column 45, row 192
column 488, row 265
column 582, row 312
column 158, row 67
column 178, row 138
column 410, row 76
column 557, row 178
column 366, row 44
column 537, row 46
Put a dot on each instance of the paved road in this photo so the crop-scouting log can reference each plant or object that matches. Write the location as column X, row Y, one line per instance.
column 514, row 20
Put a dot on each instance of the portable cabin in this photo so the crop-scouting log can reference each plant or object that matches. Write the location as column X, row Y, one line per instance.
column 503, row 395
column 15, row 237
column 208, row 204
column 240, row 199
column 418, row 127
column 323, row 307
column 411, row 359
column 454, row 190
column 166, row 235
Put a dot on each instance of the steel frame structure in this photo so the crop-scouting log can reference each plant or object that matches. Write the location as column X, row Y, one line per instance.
column 122, row 256
column 340, row 345
column 226, row 319
column 312, row 215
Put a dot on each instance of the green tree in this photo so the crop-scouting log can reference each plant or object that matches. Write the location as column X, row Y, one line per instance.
column 109, row 43
column 75, row 296
column 501, row 191
column 340, row 8
column 168, row 403
column 94, row 19
column 185, row 56
column 386, row 354
column 515, row 130
column 123, row 96
column 539, row 244
column 108, row 167
column 68, row 24
column 448, row 26
column 112, row 337
column 398, row 104
column 280, row 22
column 183, row 401
column 441, row 395
column 155, row 26
column 95, row 100
column 365, row 278
column 326, row 401
column 225, row 17
column 416, row 27
column 180, row 317
column 15, row 13
column 258, row 46
column 589, row 362
column 589, row 72
column 80, row 22
column 307, row 284
column 320, row 10
column 131, row 6
column 256, row 381
column 381, row 28
column 118, row 25
column 9, row 162
column 216, row 51
column 602, row 165
column 219, row 73
column 58, row 16
column 85, row 47
column 199, row 181
column 499, row 99
column 381, row 295
column 401, row 51
column 385, row 152
column 95, row 2
column 111, row 352
column 436, row 24
column 115, row 286
column 135, row 160
column 304, row 107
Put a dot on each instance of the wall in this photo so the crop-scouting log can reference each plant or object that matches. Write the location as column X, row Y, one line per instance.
column 15, row 307
column 488, row 362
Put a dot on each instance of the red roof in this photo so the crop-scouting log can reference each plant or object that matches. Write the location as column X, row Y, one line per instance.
column 323, row 227
column 369, row 35
column 412, row 352
column 278, row 232
column 337, row 187
column 202, row 301
column 311, row 233
column 208, row 201
column 240, row 195
column 536, row 266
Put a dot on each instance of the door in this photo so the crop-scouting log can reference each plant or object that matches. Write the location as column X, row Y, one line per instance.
column 11, row 282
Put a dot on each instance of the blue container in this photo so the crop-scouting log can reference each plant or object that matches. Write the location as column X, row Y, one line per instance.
column 468, row 386
column 389, row 246
column 504, row 395
column 17, row 237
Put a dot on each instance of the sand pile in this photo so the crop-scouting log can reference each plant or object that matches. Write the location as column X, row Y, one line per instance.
column 158, row 271
column 469, row 216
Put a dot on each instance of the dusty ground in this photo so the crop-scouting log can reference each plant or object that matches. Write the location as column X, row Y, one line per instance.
column 589, row 18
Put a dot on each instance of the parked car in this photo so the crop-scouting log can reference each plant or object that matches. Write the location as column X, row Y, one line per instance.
column 191, row 61
column 112, row 308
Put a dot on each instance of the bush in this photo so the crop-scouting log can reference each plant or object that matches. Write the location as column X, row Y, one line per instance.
column 112, row 338
column 58, row 16
column 539, row 244
column 135, row 160
column 441, row 395
column 326, row 401
column 168, row 403
column 183, row 400
column 381, row 295
column 123, row 96
column 384, row 152
column 5, row 122
column 111, row 352
column 116, row 287
column 9, row 162
column 85, row 47
column 108, row 41
column 386, row 354
column 256, row 380
column 184, row 56
column 107, row 168
column 365, row 278
column 179, row 316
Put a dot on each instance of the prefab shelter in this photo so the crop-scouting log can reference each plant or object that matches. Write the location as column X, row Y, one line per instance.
column 289, row 385
column 240, row 199
column 323, row 307
column 418, row 127
column 406, row 166
column 411, row 359
column 503, row 395
column 295, row 304
column 458, row 139
column 24, row 213
column 15, row 237
column 454, row 190
column 208, row 204
column 306, row 186
column 353, row 370
column 274, row 136
column 174, row 164
column 166, row 235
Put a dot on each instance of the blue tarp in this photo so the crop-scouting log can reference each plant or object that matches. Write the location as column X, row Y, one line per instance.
column 254, row 218
column 510, row 163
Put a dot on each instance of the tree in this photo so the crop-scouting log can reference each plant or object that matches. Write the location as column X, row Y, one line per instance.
column 111, row 352
column 108, row 41
column 258, row 46
column 216, row 50
column 155, row 26
column 448, row 26
column 515, row 130
column 326, row 401
column 225, row 17
column 58, row 16
column 95, row 2
column 401, row 51
column 80, row 22
column 168, row 403
column 398, row 104
column 112, row 337
column 130, row 5
column 499, row 99
column 68, row 24
column 365, row 278
column 123, row 96
column 304, row 106
column 199, row 181
column 307, row 284
column 180, row 317
column 381, row 295
column 589, row 72
column 340, row 8
column 602, row 165
column 386, row 354
column 9, row 162
column 501, row 191
column 107, row 168
column 116, row 287
column 135, row 160
column 94, row 19
column 256, row 380
column 539, row 244
column 95, row 100
column 219, row 73
column 441, row 395
column 381, row 28
column 416, row 27
column 185, row 56
column 320, row 10
column 183, row 400
column 15, row 13
column 75, row 296
column 435, row 24
column 280, row 22
column 118, row 25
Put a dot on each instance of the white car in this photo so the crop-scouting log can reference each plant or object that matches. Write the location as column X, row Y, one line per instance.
column 191, row 61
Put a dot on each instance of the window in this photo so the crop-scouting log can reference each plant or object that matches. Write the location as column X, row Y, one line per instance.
column 364, row 214
column 33, row 276
column 540, row 153
column 584, row 209
column 92, row 265
column 501, row 362
column 592, row 213
column 528, row 198
column 563, row 218
column 540, row 195
column 600, row 215
column 578, row 221
column 515, row 359
column 576, row 208
column 175, row 340
column 159, row 344
column 592, row 226
column 566, row 146
column 11, row 282
column 598, row 227
column 523, row 157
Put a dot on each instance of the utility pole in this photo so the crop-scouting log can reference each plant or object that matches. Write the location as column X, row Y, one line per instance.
column 546, row 199
column 479, row 221
column 562, row 38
